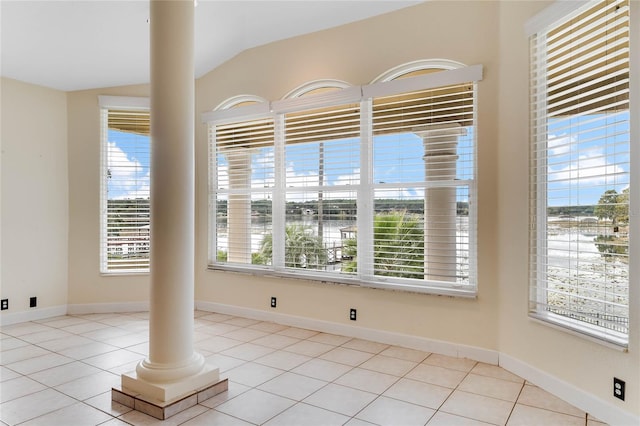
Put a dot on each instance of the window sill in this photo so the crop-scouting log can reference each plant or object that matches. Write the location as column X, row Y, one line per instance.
column 611, row 340
column 432, row 288
column 124, row 273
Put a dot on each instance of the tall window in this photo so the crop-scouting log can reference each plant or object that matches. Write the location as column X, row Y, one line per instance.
column 371, row 185
column 125, row 176
column 580, row 168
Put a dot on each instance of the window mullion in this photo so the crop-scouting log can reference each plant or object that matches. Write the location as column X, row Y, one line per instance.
column 365, row 194
column 213, row 194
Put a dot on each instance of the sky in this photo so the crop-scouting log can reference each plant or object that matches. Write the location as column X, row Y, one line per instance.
column 128, row 162
column 587, row 156
column 397, row 159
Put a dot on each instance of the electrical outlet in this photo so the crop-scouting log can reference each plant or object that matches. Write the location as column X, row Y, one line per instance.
column 33, row 302
column 4, row 304
column 352, row 314
column 273, row 302
column 618, row 388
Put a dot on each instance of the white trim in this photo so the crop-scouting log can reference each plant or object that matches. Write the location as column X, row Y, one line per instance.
column 468, row 74
column 580, row 329
column 245, row 113
column 239, row 99
column 343, row 96
column 310, row 86
column 558, row 10
column 408, row 341
column 107, row 308
column 32, row 315
column 423, row 64
column 129, row 102
column 575, row 396
column 349, row 94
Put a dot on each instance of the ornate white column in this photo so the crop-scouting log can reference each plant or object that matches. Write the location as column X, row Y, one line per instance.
column 172, row 370
column 440, row 157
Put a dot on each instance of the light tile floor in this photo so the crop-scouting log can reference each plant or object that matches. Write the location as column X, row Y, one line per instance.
column 60, row 371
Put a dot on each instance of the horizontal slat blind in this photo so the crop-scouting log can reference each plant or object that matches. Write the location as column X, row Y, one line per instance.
column 370, row 185
column 580, row 168
column 424, row 187
column 244, row 159
column 322, row 174
column 125, row 196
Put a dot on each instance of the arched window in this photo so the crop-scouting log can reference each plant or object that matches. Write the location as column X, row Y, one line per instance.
column 371, row 185
column 416, row 68
column 240, row 101
column 316, row 87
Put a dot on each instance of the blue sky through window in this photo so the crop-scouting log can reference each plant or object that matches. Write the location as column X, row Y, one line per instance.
column 128, row 163
column 398, row 158
column 587, row 155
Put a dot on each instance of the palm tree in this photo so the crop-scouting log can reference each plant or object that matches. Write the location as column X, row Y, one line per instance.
column 302, row 249
column 398, row 246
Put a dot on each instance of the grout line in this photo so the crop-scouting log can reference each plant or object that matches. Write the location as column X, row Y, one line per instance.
column 516, row 402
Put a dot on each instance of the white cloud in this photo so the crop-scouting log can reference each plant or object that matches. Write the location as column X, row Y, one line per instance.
column 128, row 178
column 559, row 145
column 589, row 169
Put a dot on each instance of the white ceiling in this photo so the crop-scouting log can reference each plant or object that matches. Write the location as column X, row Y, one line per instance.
column 75, row 45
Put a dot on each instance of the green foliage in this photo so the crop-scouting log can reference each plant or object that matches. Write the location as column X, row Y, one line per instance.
column 623, row 206
column 614, row 206
column 398, row 240
column 256, row 258
column 611, row 247
column 570, row 210
column 302, row 249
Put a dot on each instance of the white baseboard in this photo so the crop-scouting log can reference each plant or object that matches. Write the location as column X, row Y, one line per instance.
column 107, row 308
column 388, row 337
column 575, row 396
column 33, row 314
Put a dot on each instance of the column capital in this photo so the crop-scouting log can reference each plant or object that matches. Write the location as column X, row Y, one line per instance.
column 440, row 130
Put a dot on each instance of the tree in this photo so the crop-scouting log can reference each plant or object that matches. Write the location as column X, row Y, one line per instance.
column 302, row 249
column 614, row 206
column 623, row 206
column 398, row 246
column 607, row 207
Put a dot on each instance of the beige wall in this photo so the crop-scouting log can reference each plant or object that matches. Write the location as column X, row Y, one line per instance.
column 34, row 196
column 477, row 32
column 491, row 34
column 580, row 362
column 86, row 284
column 358, row 53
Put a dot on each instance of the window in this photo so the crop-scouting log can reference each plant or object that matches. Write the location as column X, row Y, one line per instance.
column 370, row 185
column 580, row 169
column 125, row 179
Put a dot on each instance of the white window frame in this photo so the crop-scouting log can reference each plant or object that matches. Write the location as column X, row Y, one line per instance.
column 556, row 14
column 454, row 73
column 106, row 103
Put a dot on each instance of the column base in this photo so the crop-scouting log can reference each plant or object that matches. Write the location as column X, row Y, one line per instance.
column 162, row 400
column 162, row 410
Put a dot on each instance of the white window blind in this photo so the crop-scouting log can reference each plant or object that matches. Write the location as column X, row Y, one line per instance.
column 244, row 182
column 125, row 190
column 374, row 190
column 322, row 174
column 580, row 168
column 424, row 184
